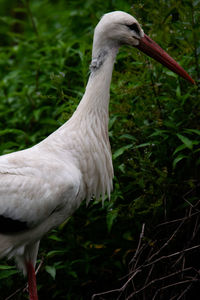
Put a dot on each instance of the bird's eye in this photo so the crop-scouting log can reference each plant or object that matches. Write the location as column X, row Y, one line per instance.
column 134, row 27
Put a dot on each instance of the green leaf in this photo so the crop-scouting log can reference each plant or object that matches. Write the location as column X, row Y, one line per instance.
column 142, row 145
column 121, row 150
column 122, row 168
column 170, row 73
column 127, row 136
column 112, row 121
column 51, row 270
column 73, row 274
column 159, row 132
column 14, row 131
column 186, row 141
column 128, row 236
column 55, row 238
column 179, row 148
column 178, row 92
column 178, row 159
column 4, row 267
column 55, row 252
column 111, row 216
column 7, row 273
column 196, row 131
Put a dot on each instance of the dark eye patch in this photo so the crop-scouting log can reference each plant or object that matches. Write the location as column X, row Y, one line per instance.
column 134, row 27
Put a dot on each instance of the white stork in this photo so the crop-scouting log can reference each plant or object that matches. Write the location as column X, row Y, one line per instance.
column 43, row 185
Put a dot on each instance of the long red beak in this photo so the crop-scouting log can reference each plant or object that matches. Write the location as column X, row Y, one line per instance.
column 148, row 46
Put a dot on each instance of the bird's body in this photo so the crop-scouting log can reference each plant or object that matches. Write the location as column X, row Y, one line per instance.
column 45, row 184
column 41, row 186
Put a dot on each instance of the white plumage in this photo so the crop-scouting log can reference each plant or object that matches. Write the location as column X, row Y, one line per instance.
column 41, row 186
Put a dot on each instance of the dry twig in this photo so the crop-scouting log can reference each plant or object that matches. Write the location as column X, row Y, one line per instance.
column 144, row 280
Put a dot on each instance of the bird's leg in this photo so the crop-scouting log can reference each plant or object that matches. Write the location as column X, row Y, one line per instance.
column 32, row 286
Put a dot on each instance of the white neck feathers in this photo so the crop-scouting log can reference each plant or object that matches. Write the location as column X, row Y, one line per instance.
column 85, row 136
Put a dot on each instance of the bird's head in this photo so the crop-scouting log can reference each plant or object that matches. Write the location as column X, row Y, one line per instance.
column 119, row 28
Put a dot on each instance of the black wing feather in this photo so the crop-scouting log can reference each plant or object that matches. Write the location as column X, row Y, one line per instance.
column 10, row 226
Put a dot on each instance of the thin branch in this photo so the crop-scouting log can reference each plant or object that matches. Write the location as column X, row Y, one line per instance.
column 168, row 241
column 171, row 255
column 146, row 260
column 117, row 290
column 139, row 244
column 156, row 280
column 40, row 265
column 186, row 290
column 149, row 274
column 16, row 292
column 172, row 285
column 178, row 220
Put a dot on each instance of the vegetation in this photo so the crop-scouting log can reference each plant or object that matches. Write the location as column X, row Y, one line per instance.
column 144, row 242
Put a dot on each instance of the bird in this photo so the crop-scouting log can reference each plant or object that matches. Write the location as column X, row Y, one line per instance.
column 40, row 187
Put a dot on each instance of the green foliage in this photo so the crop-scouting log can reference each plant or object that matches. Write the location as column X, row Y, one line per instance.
column 45, row 50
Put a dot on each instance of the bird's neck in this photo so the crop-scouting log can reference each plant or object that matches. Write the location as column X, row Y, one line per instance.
column 85, row 135
column 97, row 93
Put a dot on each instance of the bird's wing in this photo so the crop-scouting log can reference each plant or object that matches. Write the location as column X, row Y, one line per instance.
column 31, row 191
